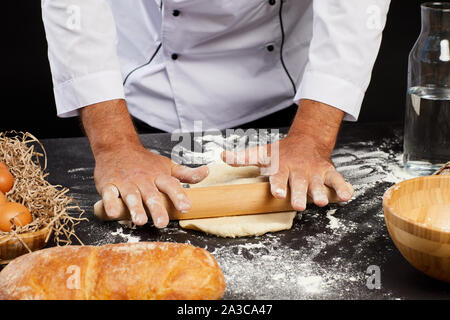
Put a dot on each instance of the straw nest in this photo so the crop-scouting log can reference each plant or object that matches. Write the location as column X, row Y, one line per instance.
column 50, row 205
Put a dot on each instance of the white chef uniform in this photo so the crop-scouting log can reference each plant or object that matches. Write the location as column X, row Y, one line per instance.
column 225, row 62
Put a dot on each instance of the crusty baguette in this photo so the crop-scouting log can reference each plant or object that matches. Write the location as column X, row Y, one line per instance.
column 136, row 271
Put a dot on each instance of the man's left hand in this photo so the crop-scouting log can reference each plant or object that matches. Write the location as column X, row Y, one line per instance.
column 304, row 158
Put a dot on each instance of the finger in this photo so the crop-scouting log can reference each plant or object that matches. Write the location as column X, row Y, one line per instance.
column 131, row 196
column 335, row 180
column 254, row 156
column 299, row 189
column 155, row 205
column 278, row 184
column 317, row 191
column 189, row 175
column 110, row 195
column 172, row 187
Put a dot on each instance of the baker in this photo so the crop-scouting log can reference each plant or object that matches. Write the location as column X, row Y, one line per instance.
column 168, row 63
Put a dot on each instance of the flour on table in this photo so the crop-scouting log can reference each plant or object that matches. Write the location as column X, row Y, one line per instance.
column 127, row 237
column 334, row 222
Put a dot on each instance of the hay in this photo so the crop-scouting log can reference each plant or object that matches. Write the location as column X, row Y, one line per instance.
column 444, row 170
column 49, row 204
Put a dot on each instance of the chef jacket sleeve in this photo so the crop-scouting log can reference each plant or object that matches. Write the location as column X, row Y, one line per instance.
column 345, row 42
column 81, row 36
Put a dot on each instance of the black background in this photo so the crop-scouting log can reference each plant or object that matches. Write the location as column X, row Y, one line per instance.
column 28, row 102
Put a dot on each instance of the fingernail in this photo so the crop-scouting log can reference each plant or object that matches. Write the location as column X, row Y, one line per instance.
column 158, row 222
column 140, row 219
column 150, row 202
column 184, row 206
column 184, row 211
column 344, row 195
column 299, row 204
column 131, row 199
column 113, row 214
column 184, row 202
column 319, row 196
column 281, row 192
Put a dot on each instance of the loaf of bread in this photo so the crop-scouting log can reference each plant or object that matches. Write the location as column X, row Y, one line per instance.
column 135, row 271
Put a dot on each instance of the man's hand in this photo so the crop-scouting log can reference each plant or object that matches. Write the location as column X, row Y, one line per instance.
column 124, row 168
column 304, row 157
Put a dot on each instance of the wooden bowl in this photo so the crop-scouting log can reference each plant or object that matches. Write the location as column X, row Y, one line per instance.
column 11, row 247
column 417, row 214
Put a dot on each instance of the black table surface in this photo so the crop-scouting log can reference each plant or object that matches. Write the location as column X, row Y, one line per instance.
column 327, row 254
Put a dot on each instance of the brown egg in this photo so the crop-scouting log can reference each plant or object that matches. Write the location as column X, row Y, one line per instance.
column 3, row 199
column 6, row 180
column 16, row 212
column 3, row 166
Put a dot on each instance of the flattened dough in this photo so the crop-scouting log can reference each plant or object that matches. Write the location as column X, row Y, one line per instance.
column 242, row 226
column 238, row 226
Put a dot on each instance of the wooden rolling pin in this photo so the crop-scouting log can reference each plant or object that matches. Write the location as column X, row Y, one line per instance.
column 220, row 201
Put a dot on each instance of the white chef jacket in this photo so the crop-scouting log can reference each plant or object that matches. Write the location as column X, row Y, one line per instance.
column 225, row 62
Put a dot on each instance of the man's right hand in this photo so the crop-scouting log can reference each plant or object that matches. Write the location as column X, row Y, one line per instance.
column 124, row 168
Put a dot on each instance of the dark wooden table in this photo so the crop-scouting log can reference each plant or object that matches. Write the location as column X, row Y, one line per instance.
column 330, row 252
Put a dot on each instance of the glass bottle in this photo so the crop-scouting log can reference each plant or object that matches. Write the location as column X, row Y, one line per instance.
column 426, row 144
